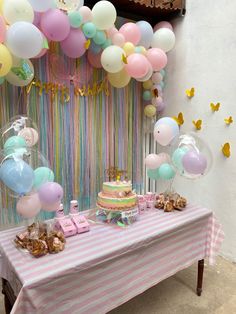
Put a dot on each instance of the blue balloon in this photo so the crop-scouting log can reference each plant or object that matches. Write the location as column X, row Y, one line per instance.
column 178, row 156
column 168, row 121
column 94, row 47
column 166, row 172
column 153, row 174
column 146, row 31
column 17, row 175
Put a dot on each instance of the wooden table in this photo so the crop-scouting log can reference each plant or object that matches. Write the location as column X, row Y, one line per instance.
column 106, row 267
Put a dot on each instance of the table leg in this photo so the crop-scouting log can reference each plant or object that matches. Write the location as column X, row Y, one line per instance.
column 200, row 276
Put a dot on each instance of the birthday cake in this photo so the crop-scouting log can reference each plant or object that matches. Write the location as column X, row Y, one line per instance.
column 117, row 195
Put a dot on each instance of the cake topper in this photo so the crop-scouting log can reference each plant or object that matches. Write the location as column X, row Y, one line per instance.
column 114, row 173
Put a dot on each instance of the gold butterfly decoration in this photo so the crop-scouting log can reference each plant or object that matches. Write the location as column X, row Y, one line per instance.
column 197, row 124
column 87, row 44
column 124, row 59
column 179, row 119
column 215, row 107
column 226, row 150
column 229, row 120
column 190, row 92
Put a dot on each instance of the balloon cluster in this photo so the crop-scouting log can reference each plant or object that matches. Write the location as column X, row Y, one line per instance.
column 190, row 156
column 24, row 171
column 134, row 51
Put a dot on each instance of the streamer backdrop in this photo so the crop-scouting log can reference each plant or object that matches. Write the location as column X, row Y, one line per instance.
column 80, row 138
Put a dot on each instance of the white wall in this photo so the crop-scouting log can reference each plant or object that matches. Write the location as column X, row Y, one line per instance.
column 205, row 57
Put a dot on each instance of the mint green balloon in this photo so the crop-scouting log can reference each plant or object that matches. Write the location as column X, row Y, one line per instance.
column 13, row 144
column 2, row 80
column 100, row 38
column 166, row 172
column 162, row 84
column 147, row 95
column 75, row 19
column 178, row 156
column 89, row 30
column 153, row 174
column 107, row 43
column 163, row 72
column 41, row 176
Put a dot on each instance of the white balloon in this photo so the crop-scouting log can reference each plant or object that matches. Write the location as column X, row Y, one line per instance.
column 164, row 39
column 17, row 10
column 41, row 5
column 24, row 40
column 111, row 59
column 104, row 15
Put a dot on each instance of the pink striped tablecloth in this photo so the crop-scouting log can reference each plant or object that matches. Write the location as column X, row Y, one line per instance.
column 106, row 267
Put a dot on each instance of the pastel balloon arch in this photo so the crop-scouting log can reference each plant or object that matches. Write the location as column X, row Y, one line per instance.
column 135, row 50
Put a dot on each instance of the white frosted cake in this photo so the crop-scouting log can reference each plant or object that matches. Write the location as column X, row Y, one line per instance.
column 117, row 195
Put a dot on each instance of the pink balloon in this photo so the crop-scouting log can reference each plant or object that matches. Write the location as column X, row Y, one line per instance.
column 118, row 39
column 156, row 101
column 74, row 45
column 86, row 14
column 161, row 106
column 194, row 163
column 28, row 206
column 157, row 78
column 163, row 24
column 131, row 33
column 153, row 161
column 164, row 158
column 157, row 58
column 112, row 31
column 137, row 66
column 55, row 25
column 2, row 29
column 95, row 59
column 52, row 207
column 163, row 134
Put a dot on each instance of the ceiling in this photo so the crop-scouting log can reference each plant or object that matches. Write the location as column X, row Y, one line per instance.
column 152, row 11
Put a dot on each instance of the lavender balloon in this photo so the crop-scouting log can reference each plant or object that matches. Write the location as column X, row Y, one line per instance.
column 194, row 162
column 50, row 193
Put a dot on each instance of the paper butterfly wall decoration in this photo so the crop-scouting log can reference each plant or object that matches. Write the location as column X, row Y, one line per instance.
column 215, row 107
column 229, row 120
column 197, row 124
column 179, row 119
column 124, row 59
column 190, row 92
column 87, row 44
column 226, row 150
column 24, row 71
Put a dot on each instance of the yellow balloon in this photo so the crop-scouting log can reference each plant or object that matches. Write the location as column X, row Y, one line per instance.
column 150, row 111
column 5, row 60
column 148, row 84
column 1, row 3
column 120, row 79
column 129, row 48
column 143, row 50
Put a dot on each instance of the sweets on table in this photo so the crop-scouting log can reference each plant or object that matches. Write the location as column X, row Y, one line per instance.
column 170, row 202
column 40, row 239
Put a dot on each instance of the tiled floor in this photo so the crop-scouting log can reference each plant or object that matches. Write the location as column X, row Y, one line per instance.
column 176, row 295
